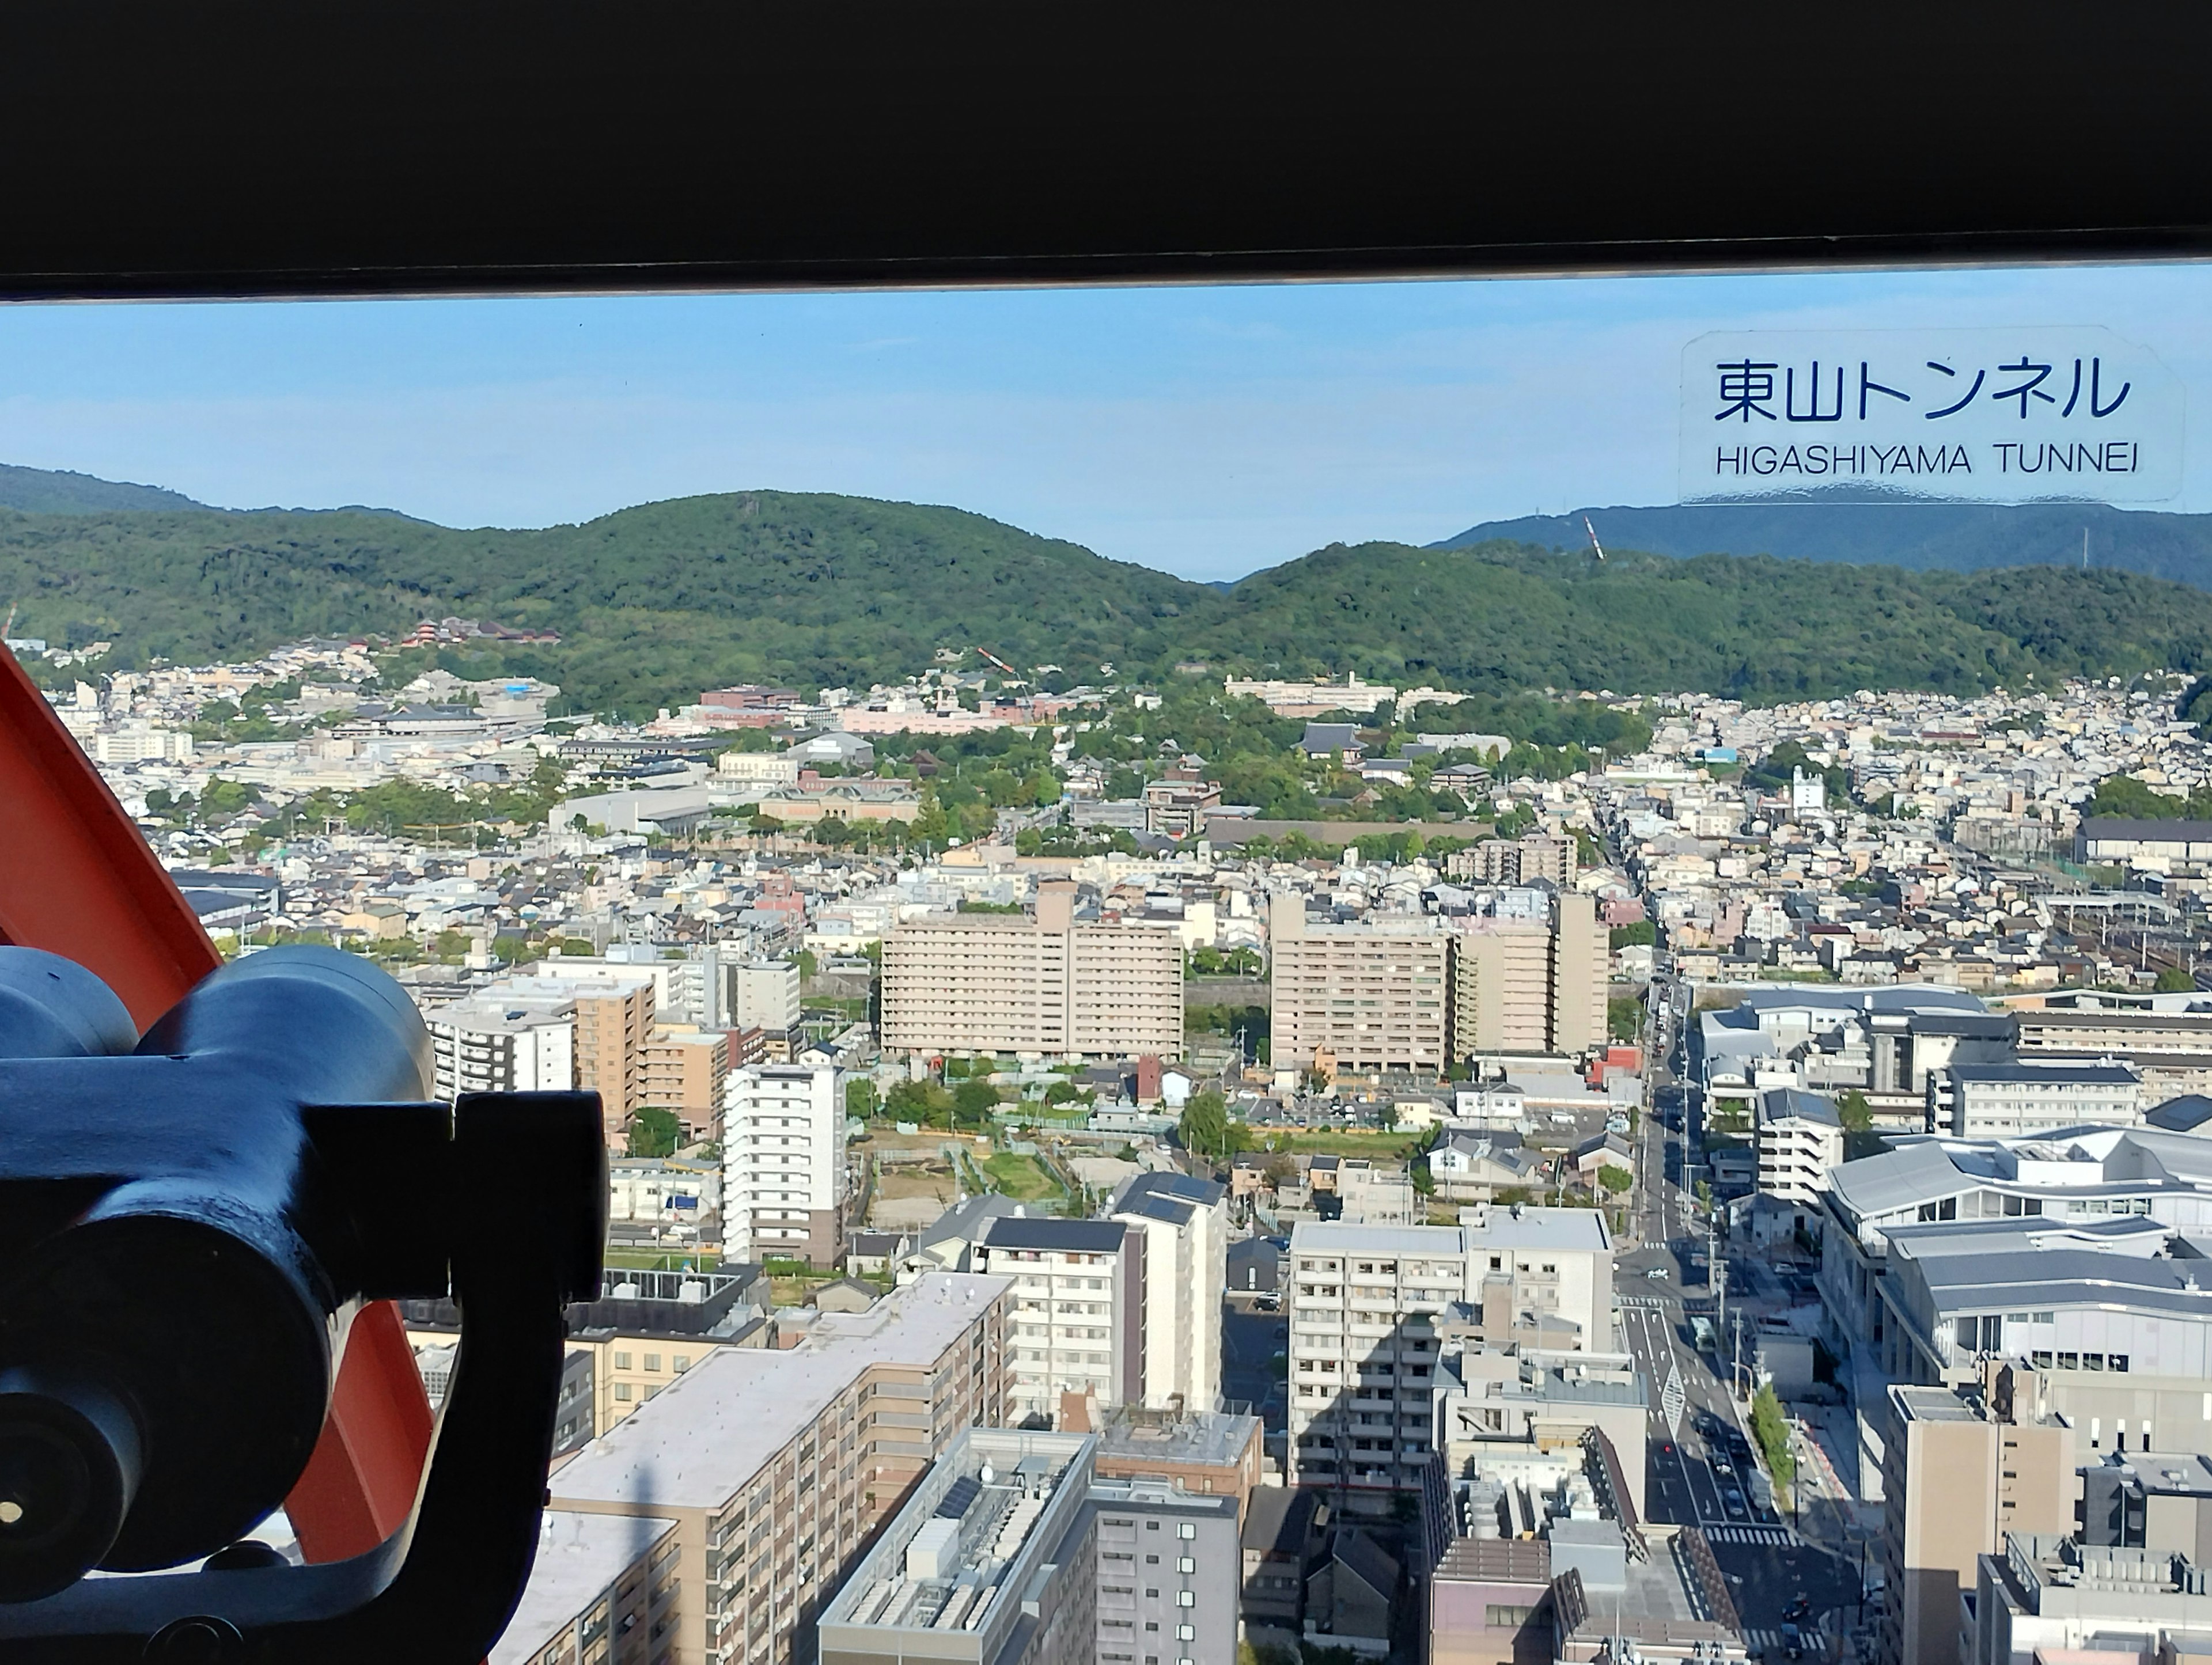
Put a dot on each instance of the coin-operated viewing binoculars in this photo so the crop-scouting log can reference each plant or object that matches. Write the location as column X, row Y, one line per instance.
column 189, row 1221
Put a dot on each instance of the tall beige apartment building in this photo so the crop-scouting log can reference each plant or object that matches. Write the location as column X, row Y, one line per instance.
column 1043, row 983
column 1375, row 995
column 682, row 1068
column 613, row 1014
column 777, row 1467
column 1417, row 992
column 1963, row 1466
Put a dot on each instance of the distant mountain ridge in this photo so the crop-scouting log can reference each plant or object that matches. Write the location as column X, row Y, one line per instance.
column 61, row 491
column 65, row 491
column 654, row 603
column 1924, row 537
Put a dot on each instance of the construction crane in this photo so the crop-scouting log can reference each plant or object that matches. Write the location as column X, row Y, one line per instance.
column 1592, row 530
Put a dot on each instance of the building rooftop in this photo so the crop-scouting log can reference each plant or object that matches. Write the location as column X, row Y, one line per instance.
column 1083, row 1236
column 1496, row 1561
column 959, row 1556
column 1337, row 1237
column 579, row 1555
column 1201, row 1436
column 2026, row 1070
column 1793, row 1103
column 709, row 1431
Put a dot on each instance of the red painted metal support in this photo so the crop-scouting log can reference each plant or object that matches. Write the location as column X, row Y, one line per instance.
column 77, row 879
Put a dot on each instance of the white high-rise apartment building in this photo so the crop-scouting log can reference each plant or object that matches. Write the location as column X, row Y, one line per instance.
column 1185, row 1222
column 1077, row 1323
column 1043, row 984
column 783, row 1163
column 504, row 1042
column 1365, row 1302
column 763, row 994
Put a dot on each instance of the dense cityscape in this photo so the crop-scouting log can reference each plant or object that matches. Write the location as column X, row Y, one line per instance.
column 1203, row 1168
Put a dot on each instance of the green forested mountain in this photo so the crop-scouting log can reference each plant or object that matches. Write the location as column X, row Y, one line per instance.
column 655, row 603
column 1505, row 615
column 1931, row 537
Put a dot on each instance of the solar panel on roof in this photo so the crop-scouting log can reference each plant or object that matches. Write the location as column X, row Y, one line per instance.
column 964, row 1492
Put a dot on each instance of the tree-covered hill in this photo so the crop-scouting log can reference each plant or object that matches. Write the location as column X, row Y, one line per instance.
column 655, row 603
column 1508, row 616
column 1931, row 537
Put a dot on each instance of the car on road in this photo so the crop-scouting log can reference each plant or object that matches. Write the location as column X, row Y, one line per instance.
column 1736, row 1507
column 1722, row 1468
column 1657, row 1274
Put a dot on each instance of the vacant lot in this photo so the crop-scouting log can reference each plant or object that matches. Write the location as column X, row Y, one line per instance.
column 1377, row 1147
column 1022, row 1178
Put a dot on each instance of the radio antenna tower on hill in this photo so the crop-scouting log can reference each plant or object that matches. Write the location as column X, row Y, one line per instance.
column 1592, row 530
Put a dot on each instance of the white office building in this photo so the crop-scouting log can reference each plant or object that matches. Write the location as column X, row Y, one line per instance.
column 783, row 1163
column 1993, row 1100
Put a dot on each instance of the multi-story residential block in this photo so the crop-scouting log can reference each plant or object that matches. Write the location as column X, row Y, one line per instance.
column 1514, row 861
column 1185, row 1222
column 1077, row 1321
column 1013, row 1551
column 514, row 1044
column 1368, row 1305
column 597, row 1580
column 1501, row 986
column 778, row 1467
column 1798, row 1137
column 614, row 1016
column 1045, row 984
column 1413, row 991
column 763, row 994
column 783, row 1163
column 1985, row 1101
column 684, row 1069
column 1373, row 996
column 1963, row 1467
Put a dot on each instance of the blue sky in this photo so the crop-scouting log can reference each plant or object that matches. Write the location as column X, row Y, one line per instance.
column 1206, row 431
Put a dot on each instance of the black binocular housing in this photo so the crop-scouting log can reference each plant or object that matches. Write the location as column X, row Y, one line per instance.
column 189, row 1220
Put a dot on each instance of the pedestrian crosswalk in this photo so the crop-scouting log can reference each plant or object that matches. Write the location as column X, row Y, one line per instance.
column 1746, row 1535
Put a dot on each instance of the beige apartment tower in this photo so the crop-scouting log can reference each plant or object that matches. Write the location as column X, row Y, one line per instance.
column 1044, row 983
column 1416, row 992
column 1373, row 995
column 682, row 1068
column 1962, row 1467
column 614, row 1021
